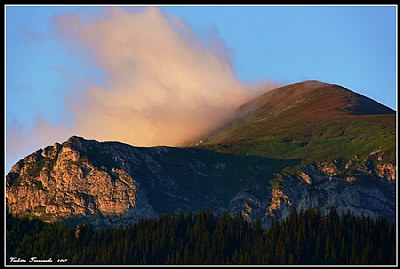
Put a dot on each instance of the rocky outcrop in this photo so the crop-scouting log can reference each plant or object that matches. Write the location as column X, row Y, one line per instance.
column 249, row 206
column 363, row 194
column 279, row 200
column 387, row 171
column 58, row 183
column 306, row 178
column 375, row 164
column 111, row 182
column 114, row 183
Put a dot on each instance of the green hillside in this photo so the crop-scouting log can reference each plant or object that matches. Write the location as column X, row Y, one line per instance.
column 312, row 121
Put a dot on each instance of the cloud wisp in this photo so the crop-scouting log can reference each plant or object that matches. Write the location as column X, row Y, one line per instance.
column 165, row 85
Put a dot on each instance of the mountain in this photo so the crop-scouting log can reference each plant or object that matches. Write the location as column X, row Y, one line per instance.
column 112, row 181
column 310, row 120
column 309, row 144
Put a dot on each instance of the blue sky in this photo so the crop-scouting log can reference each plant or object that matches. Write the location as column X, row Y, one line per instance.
column 353, row 46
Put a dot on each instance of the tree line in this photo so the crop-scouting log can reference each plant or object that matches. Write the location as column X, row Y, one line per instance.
column 306, row 237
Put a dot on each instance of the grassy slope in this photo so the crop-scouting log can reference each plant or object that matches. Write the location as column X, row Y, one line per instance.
column 312, row 121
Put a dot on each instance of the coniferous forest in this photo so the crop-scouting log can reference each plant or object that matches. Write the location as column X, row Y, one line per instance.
column 308, row 237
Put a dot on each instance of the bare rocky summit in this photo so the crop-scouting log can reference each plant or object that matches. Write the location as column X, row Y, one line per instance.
column 59, row 182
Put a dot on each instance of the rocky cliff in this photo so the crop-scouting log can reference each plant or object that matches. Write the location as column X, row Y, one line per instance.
column 114, row 183
column 61, row 182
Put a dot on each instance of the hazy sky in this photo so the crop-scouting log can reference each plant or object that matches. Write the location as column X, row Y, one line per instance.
column 136, row 74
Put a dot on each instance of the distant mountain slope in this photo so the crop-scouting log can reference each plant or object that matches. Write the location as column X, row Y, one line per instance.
column 305, row 145
column 310, row 120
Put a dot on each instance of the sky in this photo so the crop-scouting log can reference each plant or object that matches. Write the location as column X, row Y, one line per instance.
column 162, row 75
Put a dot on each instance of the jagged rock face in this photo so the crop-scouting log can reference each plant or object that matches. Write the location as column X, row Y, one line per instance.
column 114, row 183
column 317, row 187
column 57, row 183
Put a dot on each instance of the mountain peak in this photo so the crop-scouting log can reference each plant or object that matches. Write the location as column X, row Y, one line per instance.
column 307, row 111
column 79, row 143
column 304, row 99
column 76, row 139
column 309, row 84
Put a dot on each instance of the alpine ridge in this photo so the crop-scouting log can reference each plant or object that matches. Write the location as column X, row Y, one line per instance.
column 309, row 144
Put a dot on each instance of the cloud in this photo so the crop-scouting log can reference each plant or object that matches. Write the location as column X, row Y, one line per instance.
column 162, row 84
column 165, row 85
